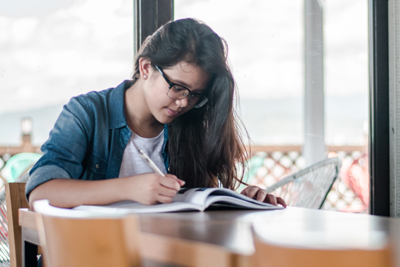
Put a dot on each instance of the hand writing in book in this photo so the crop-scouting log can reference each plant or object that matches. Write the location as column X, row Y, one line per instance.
column 259, row 194
column 152, row 188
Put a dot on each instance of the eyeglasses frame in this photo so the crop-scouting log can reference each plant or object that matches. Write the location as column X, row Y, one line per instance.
column 189, row 96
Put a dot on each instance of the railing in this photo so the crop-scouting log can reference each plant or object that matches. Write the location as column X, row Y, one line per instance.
column 26, row 146
column 349, row 193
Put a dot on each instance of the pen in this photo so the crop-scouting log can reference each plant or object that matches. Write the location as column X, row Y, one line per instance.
column 150, row 163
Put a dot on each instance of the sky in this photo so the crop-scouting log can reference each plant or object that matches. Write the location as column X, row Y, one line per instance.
column 72, row 48
column 51, row 50
column 20, row 8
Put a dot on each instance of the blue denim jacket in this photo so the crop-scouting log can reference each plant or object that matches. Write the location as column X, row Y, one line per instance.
column 88, row 140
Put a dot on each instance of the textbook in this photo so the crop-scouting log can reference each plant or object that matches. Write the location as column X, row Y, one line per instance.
column 194, row 199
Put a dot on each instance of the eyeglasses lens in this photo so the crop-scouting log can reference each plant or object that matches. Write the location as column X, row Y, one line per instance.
column 180, row 93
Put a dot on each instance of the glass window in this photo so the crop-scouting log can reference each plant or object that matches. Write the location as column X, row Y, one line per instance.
column 266, row 41
column 53, row 50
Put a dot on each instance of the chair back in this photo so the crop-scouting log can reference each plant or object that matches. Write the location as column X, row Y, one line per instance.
column 309, row 187
column 14, row 200
column 327, row 238
column 83, row 239
column 270, row 254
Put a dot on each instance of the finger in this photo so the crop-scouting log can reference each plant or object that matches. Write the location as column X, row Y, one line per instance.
column 281, row 201
column 170, row 183
column 271, row 199
column 250, row 191
column 181, row 182
column 164, row 199
column 243, row 192
column 165, row 191
column 261, row 195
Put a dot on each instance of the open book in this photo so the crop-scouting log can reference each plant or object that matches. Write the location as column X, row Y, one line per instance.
column 187, row 199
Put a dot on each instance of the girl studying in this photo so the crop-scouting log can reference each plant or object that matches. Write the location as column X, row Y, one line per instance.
column 177, row 109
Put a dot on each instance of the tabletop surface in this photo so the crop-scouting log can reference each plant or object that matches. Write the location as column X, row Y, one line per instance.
column 233, row 230
column 284, row 226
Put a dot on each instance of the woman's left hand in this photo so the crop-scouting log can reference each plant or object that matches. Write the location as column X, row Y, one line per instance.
column 259, row 194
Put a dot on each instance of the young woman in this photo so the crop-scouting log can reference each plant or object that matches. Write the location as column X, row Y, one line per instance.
column 178, row 108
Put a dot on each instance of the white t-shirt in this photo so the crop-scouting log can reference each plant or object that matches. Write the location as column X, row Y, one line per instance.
column 133, row 164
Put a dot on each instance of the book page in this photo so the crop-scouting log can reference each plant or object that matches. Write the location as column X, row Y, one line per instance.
column 239, row 203
column 126, row 207
column 208, row 196
column 233, row 194
column 189, row 199
column 194, row 195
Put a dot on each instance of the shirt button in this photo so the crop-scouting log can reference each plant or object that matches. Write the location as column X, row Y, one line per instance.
column 97, row 166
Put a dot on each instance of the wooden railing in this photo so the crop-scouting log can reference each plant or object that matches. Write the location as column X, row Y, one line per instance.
column 26, row 146
column 296, row 148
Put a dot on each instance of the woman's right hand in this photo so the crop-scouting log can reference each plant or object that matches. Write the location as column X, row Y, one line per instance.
column 152, row 188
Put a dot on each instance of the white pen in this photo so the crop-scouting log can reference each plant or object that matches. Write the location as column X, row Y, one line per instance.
column 150, row 162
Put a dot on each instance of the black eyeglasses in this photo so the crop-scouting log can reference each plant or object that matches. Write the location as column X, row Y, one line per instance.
column 180, row 92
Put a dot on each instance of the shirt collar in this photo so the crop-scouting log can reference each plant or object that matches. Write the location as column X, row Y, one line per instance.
column 116, row 106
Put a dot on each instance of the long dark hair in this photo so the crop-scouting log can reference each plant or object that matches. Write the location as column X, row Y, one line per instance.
column 204, row 143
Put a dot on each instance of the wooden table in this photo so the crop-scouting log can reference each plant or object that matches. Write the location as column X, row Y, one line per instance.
column 224, row 238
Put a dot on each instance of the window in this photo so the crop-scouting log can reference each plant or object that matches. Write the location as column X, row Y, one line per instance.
column 266, row 41
column 54, row 50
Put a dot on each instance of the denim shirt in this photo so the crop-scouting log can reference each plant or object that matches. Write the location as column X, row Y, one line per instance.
column 88, row 140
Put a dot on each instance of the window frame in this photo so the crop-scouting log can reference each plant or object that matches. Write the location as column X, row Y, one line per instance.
column 379, row 141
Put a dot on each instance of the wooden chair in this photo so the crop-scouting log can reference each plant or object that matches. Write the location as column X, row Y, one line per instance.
column 270, row 252
column 15, row 199
column 278, row 256
column 309, row 187
column 82, row 239
column 11, row 200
